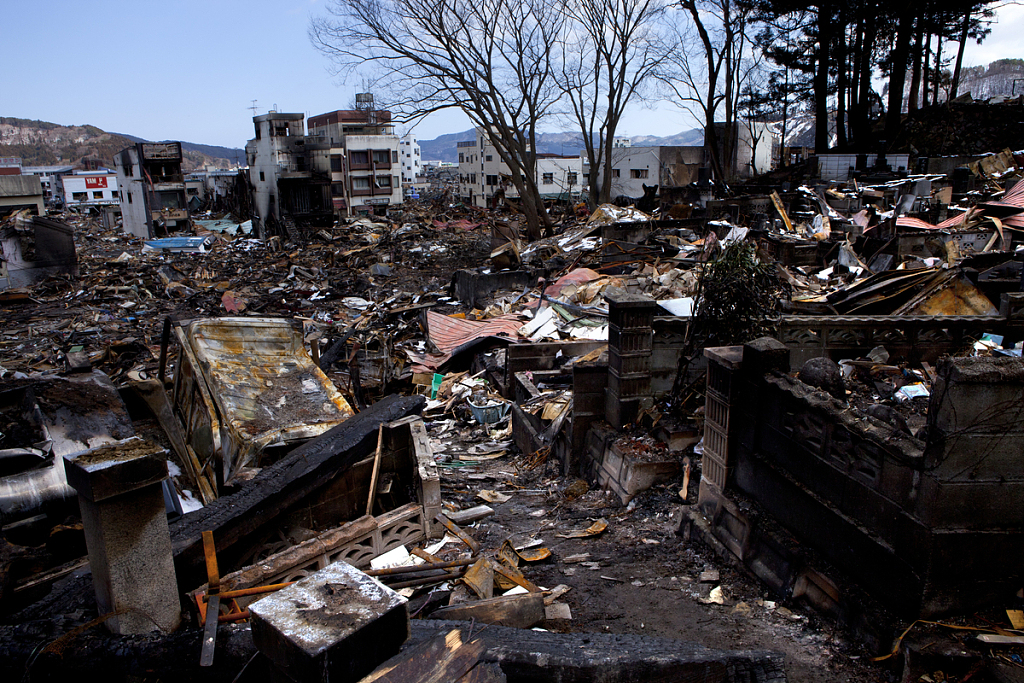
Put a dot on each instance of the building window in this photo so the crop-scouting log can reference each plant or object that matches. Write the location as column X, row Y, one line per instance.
column 79, row 196
column 338, row 190
column 397, row 182
column 462, row 158
column 492, row 180
column 360, row 183
column 381, row 156
column 615, row 173
column 359, row 157
column 97, row 195
column 336, row 163
column 263, row 178
column 472, row 178
column 383, row 181
column 408, row 156
column 394, row 156
column 129, row 197
column 192, row 191
column 570, row 178
column 257, row 130
column 488, row 157
column 638, row 173
column 549, row 179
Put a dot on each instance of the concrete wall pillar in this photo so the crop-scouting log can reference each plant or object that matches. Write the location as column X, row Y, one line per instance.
column 122, row 504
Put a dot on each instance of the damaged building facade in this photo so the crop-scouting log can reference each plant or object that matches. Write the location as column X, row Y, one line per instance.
column 151, row 188
column 347, row 165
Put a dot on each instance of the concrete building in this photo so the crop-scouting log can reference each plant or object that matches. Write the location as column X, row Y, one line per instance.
column 409, row 156
column 752, row 153
column 365, row 166
column 21, row 192
column 667, row 166
column 485, row 180
column 90, row 189
column 346, row 165
column 50, row 178
column 288, row 173
column 151, row 188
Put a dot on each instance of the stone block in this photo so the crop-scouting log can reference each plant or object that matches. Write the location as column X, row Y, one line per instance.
column 335, row 625
column 765, row 355
column 115, row 469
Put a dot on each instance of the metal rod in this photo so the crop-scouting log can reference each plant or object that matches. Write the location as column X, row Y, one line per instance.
column 426, row 581
column 256, row 590
column 391, row 571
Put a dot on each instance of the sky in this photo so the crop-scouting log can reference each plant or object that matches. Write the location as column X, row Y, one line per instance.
column 190, row 70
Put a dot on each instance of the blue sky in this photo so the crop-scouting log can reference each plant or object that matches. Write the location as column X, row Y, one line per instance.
column 189, row 70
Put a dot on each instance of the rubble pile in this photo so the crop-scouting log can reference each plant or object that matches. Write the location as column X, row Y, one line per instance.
column 580, row 434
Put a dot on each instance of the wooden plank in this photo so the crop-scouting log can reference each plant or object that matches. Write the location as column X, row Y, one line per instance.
column 376, row 470
column 471, row 515
column 463, row 536
column 152, row 392
column 439, row 660
column 518, row 611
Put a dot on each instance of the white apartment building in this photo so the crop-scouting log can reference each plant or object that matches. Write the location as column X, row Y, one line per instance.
column 409, row 155
column 484, row 179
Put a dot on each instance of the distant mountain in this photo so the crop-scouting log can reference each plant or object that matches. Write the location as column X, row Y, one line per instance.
column 41, row 143
column 445, row 148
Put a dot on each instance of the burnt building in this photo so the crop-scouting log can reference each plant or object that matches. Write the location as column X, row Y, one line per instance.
column 151, row 188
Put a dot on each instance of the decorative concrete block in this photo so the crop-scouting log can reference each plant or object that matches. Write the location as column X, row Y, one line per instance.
column 337, row 624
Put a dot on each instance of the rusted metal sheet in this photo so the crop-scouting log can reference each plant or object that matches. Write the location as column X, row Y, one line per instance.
column 245, row 385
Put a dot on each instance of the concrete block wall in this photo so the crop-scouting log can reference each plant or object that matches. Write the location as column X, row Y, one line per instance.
column 931, row 528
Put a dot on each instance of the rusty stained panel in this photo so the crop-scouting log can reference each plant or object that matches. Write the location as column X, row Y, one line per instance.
column 954, row 297
column 266, row 389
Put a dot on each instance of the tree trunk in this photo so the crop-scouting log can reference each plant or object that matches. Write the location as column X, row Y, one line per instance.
column 898, row 74
column 866, row 70
column 821, row 143
column 955, row 85
column 926, row 69
column 915, row 74
column 937, row 73
column 841, row 88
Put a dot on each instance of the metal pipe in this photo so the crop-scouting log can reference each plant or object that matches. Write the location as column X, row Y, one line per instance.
column 390, row 571
column 425, row 581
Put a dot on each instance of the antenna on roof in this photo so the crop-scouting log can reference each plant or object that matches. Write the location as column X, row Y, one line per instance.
column 253, row 107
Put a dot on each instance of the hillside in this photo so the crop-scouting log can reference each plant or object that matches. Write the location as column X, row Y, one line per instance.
column 444, row 148
column 41, row 143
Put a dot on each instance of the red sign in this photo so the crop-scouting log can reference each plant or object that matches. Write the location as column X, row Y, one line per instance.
column 95, row 183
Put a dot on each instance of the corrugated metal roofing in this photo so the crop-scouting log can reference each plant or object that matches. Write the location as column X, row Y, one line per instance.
column 449, row 333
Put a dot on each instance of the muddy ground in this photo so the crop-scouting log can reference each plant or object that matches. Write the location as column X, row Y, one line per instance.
column 639, row 576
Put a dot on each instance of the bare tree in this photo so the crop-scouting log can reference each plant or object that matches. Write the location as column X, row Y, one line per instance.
column 610, row 51
column 493, row 59
column 709, row 69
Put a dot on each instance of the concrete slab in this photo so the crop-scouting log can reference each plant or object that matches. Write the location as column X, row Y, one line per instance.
column 338, row 624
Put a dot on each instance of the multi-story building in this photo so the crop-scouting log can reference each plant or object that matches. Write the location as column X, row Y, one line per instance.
column 90, row 188
column 287, row 173
column 365, row 167
column 347, row 164
column 50, row 178
column 485, row 180
column 409, row 156
column 151, row 188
